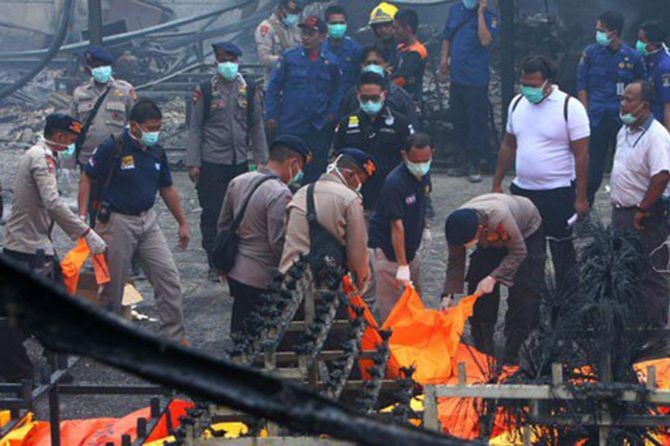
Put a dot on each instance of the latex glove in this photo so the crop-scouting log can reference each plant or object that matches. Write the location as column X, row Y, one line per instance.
column 447, row 302
column 485, row 286
column 95, row 243
column 402, row 276
column 426, row 241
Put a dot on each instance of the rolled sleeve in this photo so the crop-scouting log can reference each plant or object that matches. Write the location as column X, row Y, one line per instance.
column 658, row 157
column 579, row 126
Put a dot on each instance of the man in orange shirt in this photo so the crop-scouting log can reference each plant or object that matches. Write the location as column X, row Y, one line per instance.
column 410, row 62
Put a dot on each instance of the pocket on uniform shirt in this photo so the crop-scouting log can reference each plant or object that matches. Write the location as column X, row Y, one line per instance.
column 116, row 113
column 84, row 107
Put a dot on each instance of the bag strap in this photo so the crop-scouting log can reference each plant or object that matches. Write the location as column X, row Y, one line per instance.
column 311, row 208
column 565, row 107
column 118, row 151
column 238, row 219
column 89, row 121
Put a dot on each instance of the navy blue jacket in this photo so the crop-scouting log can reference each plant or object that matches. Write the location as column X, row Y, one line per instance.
column 349, row 56
column 658, row 72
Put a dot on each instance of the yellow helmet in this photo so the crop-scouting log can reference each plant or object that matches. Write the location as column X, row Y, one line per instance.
column 382, row 13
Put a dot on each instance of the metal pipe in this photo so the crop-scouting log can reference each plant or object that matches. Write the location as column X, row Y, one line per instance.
column 95, row 22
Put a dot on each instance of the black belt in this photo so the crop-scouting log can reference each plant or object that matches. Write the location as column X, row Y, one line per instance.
column 132, row 214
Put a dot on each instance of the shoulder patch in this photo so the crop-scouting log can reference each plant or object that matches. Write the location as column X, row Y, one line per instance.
column 353, row 121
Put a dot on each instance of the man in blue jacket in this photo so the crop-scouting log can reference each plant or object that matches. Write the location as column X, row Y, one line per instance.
column 348, row 51
column 304, row 94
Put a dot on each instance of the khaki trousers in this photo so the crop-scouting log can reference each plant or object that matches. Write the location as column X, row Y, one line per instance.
column 128, row 235
column 386, row 290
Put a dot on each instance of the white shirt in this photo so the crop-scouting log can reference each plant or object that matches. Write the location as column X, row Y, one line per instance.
column 640, row 154
column 544, row 158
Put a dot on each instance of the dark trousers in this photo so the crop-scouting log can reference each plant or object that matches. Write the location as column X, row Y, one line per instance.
column 246, row 300
column 15, row 364
column 653, row 285
column 556, row 206
column 319, row 142
column 469, row 113
column 523, row 313
column 211, row 188
column 603, row 137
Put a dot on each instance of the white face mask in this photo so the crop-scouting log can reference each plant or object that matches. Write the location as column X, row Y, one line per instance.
column 332, row 167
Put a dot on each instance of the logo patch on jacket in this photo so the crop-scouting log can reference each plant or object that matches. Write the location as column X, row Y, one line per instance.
column 127, row 162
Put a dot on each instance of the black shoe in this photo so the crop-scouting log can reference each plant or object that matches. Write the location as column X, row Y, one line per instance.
column 474, row 175
column 213, row 275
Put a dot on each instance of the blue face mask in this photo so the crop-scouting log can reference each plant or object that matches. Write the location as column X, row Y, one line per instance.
column 102, row 75
column 70, row 151
column 337, row 30
column 291, row 19
column 371, row 108
column 534, row 95
column 377, row 69
column 603, row 39
column 641, row 48
column 228, row 70
column 470, row 4
column 149, row 139
column 419, row 170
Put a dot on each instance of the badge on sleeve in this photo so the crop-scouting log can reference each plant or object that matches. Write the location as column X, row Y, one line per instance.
column 51, row 164
column 666, row 80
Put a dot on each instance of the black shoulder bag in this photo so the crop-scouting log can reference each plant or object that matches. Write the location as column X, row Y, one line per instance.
column 225, row 244
column 87, row 125
column 327, row 256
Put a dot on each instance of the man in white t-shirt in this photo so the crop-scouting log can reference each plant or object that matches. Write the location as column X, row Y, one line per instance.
column 548, row 138
column 640, row 176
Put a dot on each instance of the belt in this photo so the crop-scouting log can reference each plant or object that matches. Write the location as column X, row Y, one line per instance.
column 131, row 214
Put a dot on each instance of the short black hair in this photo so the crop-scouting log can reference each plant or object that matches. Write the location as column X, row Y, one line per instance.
column 335, row 9
column 143, row 110
column 648, row 90
column 280, row 152
column 418, row 140
column 373, row 49
column 368, row 77
column 655, row 30
column 408, row 17
column 613, row 20
column 541, row 64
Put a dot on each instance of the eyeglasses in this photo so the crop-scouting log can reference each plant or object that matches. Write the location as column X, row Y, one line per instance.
column 370, row 98
column 373, row 62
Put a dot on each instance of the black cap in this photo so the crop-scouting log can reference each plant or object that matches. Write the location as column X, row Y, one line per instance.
column 61, row 121
column 293, row 143
column 314, row 23
column 98, row 54
column 228, row 47
column 461, row 227
column 365, row 161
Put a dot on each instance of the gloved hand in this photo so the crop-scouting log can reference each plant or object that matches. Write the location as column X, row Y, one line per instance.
column 402, row 276
column 447, row 302
column 95, row 243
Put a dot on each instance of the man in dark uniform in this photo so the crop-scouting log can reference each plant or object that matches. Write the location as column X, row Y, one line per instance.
column 468, row 34
column 650, row 44
column 226, row 124
column 346, row 49
column 604, row 71
column 304, row 95
column 410, row 62
column 374, row 129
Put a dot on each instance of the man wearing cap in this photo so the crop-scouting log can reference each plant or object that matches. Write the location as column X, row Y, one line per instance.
column 507, row 231
column 410, row 62
column 278, row 33
column 132, row 169
column 347, row 50
column 375, row 129
column 651, row 45
column 261, row 230
column 399, row 223
column 304, row 94
column 381, row 22
column 226, row 123
column 339, row 211
column 101, row 104
column 36, row 206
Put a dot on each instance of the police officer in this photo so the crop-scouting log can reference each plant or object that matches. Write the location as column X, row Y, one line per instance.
column 650, row 44
column 410, row 62
column 339, row 211
column 304, row 94
column 381, row 22
column 261, row 230
column 397, row 99
column 227, row 121
column 399, row 222
column 131, row 169
column 375, row 129
column 468, row 34
column 278, row 33
column 107, row 117
column 604, row 71
column 36, row 206
column 347, row 50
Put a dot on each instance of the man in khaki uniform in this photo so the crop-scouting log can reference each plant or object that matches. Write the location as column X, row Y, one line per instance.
column 278, row 33
column 339, row 210
column 111, row 116
column 36, row 206
column 227, row 122
column 507, row 231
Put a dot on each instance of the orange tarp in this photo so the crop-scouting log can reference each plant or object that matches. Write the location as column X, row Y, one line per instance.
column 74, row 261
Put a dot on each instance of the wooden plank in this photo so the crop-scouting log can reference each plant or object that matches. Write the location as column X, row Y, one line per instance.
column 430, row 416
column 326, row 355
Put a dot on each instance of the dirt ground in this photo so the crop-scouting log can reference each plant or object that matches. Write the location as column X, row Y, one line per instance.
column 207, row 305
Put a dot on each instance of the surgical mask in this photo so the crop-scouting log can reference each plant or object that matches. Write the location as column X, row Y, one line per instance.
column 297, row 178
column 228, row 70
column 641, row 48
column 332, row 167
column 102, row 75
column 58, row 147
column 533, row 94
column 291, row 19
column 337, row 30
column 70, row 151
column 470, row 4
column 371, row 108
column 603, row 39
column 419, row 170
column 629, row 118
column 149, row 139
column 377, row 69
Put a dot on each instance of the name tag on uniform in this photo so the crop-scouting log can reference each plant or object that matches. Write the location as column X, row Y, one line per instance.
column 410, row 200
column 127, row 162
column 619, row 88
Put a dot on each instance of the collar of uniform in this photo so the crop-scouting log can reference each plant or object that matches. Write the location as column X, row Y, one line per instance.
column 130, row 141
column 332, row 177
column 384, row 114
column 554, row 95
column 643, row 127
column 92, row 84
column 321, row 55
column 48, row 150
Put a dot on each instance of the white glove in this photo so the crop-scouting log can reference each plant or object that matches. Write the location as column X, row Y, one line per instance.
column 447, row 302
column 402, row 276
column 95, row 243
